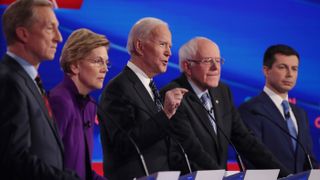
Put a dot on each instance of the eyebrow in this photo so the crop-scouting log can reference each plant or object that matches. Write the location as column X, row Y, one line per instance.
column 168, row 43
column 287, row 64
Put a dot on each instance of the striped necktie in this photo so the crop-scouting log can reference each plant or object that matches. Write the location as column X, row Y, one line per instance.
column 205, row 100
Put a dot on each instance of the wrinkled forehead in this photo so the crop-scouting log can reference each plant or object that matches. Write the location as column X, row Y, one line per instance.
column 44, row 14
column 160, row 32
column 207, row 49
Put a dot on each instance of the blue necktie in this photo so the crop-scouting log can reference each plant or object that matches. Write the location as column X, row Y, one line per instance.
column 156, row 95
column 292, row 129
column 205, row 100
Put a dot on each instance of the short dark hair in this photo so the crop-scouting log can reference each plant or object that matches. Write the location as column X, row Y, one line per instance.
column 269, row 55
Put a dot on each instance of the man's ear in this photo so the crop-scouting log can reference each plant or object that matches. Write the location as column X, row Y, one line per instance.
column 138, row 47
column 22, row 34
column 186, row 67
column 265, row 71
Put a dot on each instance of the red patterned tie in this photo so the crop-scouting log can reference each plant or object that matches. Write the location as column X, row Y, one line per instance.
column 44, row 95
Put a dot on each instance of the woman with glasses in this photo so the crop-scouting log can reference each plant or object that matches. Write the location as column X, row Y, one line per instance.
column 84, row 61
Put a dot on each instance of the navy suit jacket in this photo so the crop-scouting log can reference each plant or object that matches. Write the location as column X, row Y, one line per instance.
column 205, row 149
column 30, row 147
column 258, row 113
column 127, row 108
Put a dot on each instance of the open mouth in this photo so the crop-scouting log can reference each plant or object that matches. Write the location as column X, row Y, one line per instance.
column 164, row 62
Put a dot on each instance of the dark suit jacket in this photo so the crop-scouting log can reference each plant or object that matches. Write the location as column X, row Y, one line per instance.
column 205, row 149
column 127, row 109
column 258, row 113
column 30, row 147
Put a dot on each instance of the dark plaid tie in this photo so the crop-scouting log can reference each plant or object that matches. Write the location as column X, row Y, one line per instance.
column 156, row 94
column 43, row 94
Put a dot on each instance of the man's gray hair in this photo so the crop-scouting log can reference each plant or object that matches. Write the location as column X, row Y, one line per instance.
column 20, row 13
column 189, row 50
column 141, row 30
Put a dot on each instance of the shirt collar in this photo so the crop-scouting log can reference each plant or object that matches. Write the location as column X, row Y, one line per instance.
column 195, row 88
column 141, row 75
column 71, row 86
column 29, row 68
column 277, row 100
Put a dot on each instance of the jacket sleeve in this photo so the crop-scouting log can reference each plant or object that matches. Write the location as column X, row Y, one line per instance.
column 249, row 146
column 181, row 130
column 121, row 116
column 17, row 160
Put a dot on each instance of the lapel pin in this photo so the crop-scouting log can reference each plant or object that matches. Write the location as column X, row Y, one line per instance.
column 217, row 101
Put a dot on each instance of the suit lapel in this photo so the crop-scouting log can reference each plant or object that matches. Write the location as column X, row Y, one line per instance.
column 38, row 97
column 202, row 115
column 195, row 103
column 271, row 112
column 216, row 99
column 300, row 154
column 34, row 90
column 298, row 117
column 141, row 90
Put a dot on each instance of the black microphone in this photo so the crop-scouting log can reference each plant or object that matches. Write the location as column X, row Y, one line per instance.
column 127, row 100
column 105, row 116
column 87, row 124
column 242, row 167
column 287, row 133
column 183, row 152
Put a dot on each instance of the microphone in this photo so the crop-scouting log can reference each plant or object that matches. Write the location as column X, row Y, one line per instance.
column 87, row 124
column 239, row 159
column 296, row 139
column 184, row 153
column 127, row 100
column 105, row 116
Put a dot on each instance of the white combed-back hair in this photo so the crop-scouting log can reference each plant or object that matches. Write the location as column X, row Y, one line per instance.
column 189, row 50
column 141, row 30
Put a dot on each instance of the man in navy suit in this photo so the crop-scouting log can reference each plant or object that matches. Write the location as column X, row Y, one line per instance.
column 266, row 116
column 131, row 105
column 206, row 138
column 30, row 146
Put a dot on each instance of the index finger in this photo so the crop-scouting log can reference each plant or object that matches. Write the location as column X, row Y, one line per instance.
column 182, row 90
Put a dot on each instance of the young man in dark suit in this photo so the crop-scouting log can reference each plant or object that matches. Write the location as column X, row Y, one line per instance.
column 271, row 123
column 131, row 105
column 203, row 135
column 30, row 146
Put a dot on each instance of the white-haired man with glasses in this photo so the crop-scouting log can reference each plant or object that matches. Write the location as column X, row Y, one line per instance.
column 207, row 114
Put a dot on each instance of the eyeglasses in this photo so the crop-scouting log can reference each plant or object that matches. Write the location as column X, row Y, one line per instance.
column 208, row 61
column 100, row 62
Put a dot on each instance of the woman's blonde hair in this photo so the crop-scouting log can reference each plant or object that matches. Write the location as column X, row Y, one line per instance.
column 79, row 44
